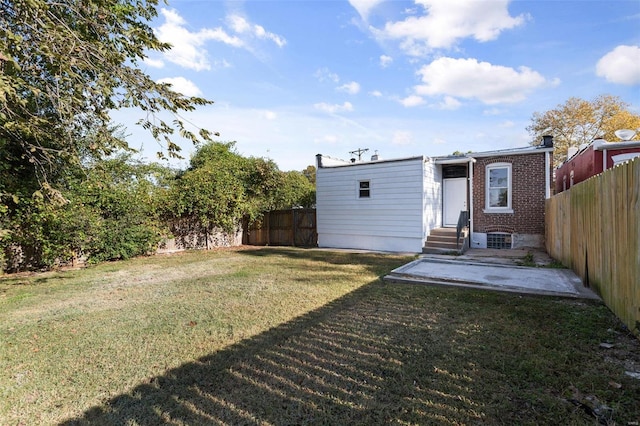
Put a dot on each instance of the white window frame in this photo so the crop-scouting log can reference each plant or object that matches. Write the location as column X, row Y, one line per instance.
column 359, row 189
column 509, row 207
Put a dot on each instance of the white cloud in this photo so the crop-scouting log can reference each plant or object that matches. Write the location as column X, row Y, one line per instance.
column 154, row 63
column 621, row 65
column 238, row 24
column 385, row 61
column 334, row 108
column 182, row 85
column 470, row 79
column 450, row 103
column 241, row 26
column 364, row 6
column 402, row 138
column 376, row 93
column 187, row 47
column 324, row 74
column 446, row 22
column 507, row 124
column 269, row 115
column 352, row 88
column 411, row 101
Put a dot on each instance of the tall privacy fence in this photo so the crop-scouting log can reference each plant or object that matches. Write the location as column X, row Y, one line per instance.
column 594, row 229
column 295, row 227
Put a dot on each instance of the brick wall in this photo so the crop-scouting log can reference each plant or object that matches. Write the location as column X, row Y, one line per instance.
column 528, row 196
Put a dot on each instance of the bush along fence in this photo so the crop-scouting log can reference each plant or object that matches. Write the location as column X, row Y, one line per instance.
column 594, row 229
column 188, row 234
column 295, row 227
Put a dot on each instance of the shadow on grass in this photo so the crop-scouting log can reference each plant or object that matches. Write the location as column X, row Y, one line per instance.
column 383, row 354
column 344, row 363
column 376, row 262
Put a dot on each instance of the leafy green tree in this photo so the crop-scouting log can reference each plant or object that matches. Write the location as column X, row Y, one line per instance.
column 125, row 197
column 310, row 173
column 64, row 66
column 579, row 121
column 108, row 209
column 221, row 187
column 211, row 190
column 295, row 191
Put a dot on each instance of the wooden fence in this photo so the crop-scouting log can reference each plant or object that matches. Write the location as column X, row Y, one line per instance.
column 594, row 229
column 296, row 227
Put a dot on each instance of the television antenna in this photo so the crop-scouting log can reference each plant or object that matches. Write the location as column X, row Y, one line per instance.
column 359, row 152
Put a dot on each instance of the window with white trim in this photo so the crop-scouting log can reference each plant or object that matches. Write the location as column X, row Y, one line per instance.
column 498, row 188
column 364, row 189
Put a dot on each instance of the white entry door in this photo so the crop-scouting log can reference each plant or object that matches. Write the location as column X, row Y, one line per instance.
column 454, row 193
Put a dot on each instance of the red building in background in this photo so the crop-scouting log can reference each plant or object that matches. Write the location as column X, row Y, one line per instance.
column 594, row 158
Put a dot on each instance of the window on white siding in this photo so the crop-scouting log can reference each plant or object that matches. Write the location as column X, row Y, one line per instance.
column 364, row 189
column 498, row 188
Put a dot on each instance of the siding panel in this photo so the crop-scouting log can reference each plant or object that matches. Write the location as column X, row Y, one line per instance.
column 392, row 217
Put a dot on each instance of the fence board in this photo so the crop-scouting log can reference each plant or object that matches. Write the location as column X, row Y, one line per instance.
column 295, row 227
column 594, row 228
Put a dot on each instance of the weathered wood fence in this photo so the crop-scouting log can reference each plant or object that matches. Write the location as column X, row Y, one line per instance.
column 594, row 229
column 296, row 227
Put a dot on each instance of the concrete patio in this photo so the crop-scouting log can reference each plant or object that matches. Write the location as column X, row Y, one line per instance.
column 499, row 270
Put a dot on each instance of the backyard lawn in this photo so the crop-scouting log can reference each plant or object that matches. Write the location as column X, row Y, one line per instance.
column 292, row 336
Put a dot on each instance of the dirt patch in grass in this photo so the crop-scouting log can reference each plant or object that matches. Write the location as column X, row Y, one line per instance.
column 309, row 337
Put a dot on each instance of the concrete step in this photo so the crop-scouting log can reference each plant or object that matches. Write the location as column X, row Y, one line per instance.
column 443, row 231
column 442, row 244
column 439, row 250
column 443, row 238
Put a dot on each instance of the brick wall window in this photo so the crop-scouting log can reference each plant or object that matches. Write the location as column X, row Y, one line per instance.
column 498, row 188
column 528, row 179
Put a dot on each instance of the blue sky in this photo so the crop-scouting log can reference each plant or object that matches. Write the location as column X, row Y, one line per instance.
column 291, row 79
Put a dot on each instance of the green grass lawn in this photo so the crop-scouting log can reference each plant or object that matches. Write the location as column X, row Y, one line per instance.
column 292, row 336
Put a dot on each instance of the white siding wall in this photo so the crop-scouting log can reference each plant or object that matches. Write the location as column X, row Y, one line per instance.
column 390, row 220
column 432, row 197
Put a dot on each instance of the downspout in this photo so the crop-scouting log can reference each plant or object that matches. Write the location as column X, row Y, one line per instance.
column 471, row 200
column 547, row 175
column 425, row 226
column 604, row 159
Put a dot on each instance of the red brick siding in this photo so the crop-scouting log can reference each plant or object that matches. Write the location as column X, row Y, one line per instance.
column 527, row 192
